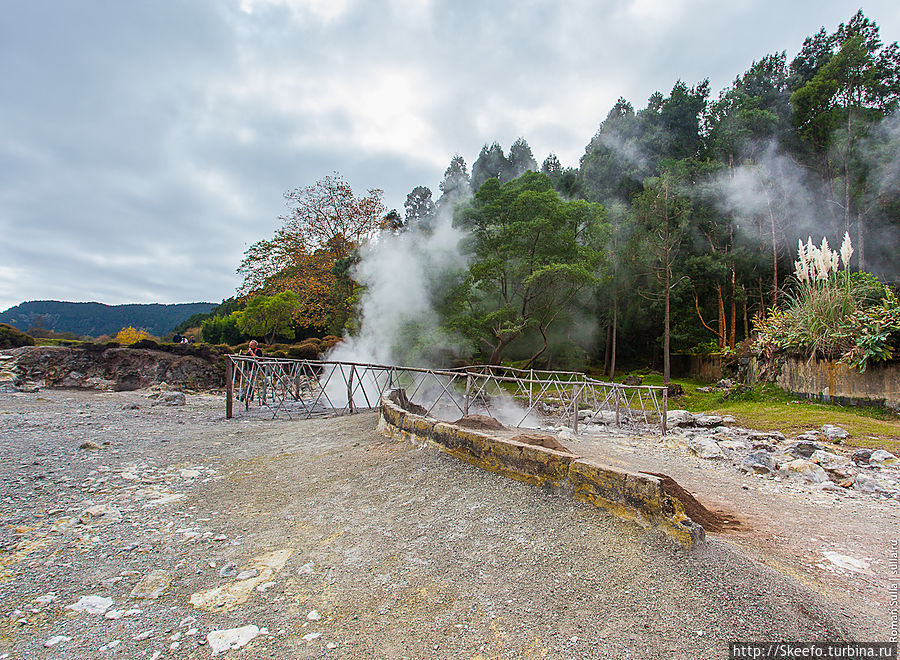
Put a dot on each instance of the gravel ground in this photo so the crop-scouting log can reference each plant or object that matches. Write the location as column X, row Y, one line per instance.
column 346, row 545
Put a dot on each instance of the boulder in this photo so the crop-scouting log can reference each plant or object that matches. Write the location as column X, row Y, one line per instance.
column 861, row 456
column 733, row 445
column 828, row 460
column 835, row 432
column 865, row 484
column 706, row 448
column 708, row 421
column 603, row 417
column 679, row 418
column 803, row 448
column 170, row 399
column 725, row 384
column 807, row 470
column 632, row 380
column 881, row 457
column 760, row 462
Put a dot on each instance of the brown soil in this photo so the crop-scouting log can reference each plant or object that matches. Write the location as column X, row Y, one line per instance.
column 540, row 440
column 711, row 521
column 479, row 423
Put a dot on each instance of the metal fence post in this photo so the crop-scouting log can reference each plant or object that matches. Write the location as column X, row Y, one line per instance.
column 229, row 387
column 468, row 390
column 577, row 393
column 350, row 389
column 665, row 408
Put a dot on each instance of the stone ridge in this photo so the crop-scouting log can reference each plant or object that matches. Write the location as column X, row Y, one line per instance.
column 633, row 496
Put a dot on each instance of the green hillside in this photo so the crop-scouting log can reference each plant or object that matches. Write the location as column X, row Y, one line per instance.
column 95, row 319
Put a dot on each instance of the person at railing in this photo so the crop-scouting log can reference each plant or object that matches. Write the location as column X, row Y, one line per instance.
column 255, row 352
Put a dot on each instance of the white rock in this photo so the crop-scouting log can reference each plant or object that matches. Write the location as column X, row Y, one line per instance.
column 92, row 604
column 152, row 585
column 679, row 418
column 314, row 615
column 231, row 638
column 810, row 472
column 102, row 514
column 56, row 639
column 265, row 586
column 706, row 448
column 311, row 636
column 882, row 457
column 835, row 432
column 142, row 636
column 845, row 562
column 708, row 421
column 733, row 445
column 46, row 599
column 828, row 460
column 865, row 484
column 189, row 474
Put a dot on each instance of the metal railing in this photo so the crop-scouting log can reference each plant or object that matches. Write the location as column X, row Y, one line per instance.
column 518, row 397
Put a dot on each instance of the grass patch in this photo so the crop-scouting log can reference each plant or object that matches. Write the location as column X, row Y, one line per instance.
column 769, row 408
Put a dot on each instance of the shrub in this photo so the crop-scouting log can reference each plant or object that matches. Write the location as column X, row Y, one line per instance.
column 832, row 313
column 11, row 337
column 129, row 335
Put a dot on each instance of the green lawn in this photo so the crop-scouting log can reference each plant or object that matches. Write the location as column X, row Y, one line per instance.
column 768, row 408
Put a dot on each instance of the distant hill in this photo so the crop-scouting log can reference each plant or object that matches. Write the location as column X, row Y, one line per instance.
column 97, row 319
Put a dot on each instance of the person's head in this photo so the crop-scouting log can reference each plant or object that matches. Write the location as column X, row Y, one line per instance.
column 253, row 343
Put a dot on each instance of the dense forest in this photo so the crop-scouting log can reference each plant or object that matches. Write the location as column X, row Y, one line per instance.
column 692, row 224
column 94, row 319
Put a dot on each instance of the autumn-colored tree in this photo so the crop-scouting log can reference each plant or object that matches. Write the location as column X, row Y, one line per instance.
column 328, row 215
column 310, row 253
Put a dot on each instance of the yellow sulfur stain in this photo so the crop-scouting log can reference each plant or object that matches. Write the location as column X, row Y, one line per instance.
column 224, row 598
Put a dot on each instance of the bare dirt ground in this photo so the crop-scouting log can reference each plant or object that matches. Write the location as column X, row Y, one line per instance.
column 334, row 542
column 790, row 526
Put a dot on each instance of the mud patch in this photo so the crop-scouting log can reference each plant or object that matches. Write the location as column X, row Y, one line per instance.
column 711, row 521
column 540, row 440
column 480, row 423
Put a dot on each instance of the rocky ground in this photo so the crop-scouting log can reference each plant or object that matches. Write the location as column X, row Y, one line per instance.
column 136, row 530
column 806, row 506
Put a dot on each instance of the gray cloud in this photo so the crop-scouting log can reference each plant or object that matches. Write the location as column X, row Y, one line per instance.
column 144, row 145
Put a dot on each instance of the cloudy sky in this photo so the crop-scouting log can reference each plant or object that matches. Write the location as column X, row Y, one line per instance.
column 145, row 144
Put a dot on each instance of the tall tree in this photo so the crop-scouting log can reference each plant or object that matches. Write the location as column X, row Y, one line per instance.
column 858, row 84
column 490, row 164
column 521, row 159
column 456, row 185
column 659, row 214
column 531, row 254
column 418, row 205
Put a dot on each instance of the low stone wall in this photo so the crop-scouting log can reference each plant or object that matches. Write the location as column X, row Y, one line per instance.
column 833, row 381
column 633, row 496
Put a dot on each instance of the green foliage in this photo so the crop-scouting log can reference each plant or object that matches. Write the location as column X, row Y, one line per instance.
column 269, row 316
column 833, row 313
column 11, row 337
column 222, row 329
column 530, row 255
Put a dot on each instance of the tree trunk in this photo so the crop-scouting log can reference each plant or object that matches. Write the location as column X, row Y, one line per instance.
column 615, row 323
column 746, row 320
column 666, row 365
column 723, row 340
column 733, row 309
column 860, row 242
column 606, row 349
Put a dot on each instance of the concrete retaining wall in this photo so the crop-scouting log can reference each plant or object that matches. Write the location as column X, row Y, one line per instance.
column 630, row 495
column 833, row 381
